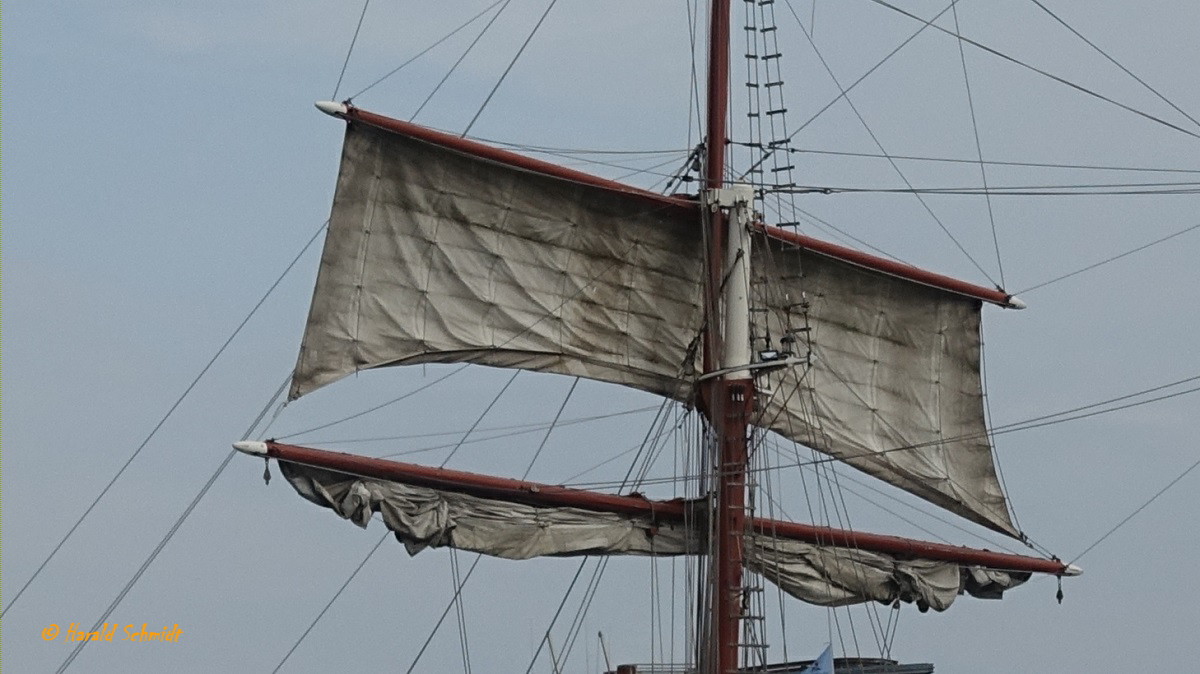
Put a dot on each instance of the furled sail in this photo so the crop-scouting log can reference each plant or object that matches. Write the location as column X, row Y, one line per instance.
column 438, row 254
column 423, row 517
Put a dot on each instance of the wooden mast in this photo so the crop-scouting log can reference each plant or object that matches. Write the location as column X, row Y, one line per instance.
column 729, row 400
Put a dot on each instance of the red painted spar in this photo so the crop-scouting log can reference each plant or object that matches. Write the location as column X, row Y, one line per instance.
column 485, row 151
column 538, row 494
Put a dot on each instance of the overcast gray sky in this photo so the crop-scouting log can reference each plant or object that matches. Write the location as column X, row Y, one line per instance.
column 164, row 164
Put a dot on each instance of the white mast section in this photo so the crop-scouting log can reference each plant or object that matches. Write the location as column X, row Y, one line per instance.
column 735, row 330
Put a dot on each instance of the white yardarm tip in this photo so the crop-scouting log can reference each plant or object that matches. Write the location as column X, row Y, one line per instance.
column 332, row 108
column 1072, row 570
column 251, row 447
column 1015, row 302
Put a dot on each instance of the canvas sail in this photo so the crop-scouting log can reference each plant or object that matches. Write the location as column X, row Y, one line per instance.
column 440, row 255
column 423, row 517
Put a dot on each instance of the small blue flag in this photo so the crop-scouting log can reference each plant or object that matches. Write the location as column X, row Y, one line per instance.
column 823, row 664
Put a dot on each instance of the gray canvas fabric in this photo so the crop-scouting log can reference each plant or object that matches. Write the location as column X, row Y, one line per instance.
column 428, row 518
column 895, row 365
column 434, row 255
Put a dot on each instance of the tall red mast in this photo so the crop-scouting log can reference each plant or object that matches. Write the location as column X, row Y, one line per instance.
column 729, row 400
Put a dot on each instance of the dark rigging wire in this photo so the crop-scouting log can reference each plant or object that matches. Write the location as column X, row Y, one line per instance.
column 1139, row 509
column 842, row 94
column 455, row 601
column 379, row 406
column 962, row 55
column 350, row 51
column 165, row 417
column 1053, row 418
column 525, row 428
column 1039, row 71
column 426, row 50
column 1049, row 420
column 879, row 144
column 479, row 420
column 511, row 63
column 1114, row 258
column 1112, row 60
column 460, row 59
column 553, row 425
column 1085, row 189
column 330, row 603
column 989, row 162
column 446, row 612
column 162, row 543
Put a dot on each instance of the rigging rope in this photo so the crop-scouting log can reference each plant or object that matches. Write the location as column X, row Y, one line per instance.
column 511, row 63
column 426, row 50
column 456, row 600
column 853, row 84
column 480, row 419
column 546, row 637
column 165, row 417
column 550, row 430
column 379, row 406
column 445, row 612
column 460, row 59
column 332, row 599
column 1139, row 509
column 978, row 146
column 1086, row 189
column 1039, row 71
column 353, row 41
column 879, row 144
column 531, row 427
column 1112, row 60
column 1114, row 258
column 175, row 527
column 463, row 642
column 1012, row 427
column 577, row 622
column 570, row 641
